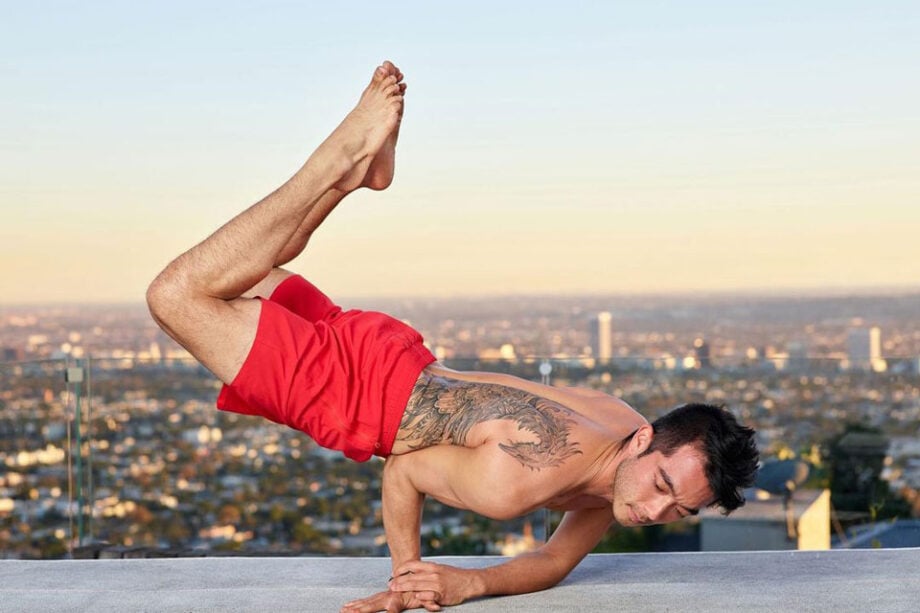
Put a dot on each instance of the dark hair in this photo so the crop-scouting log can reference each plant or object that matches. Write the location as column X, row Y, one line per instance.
column 731, row 456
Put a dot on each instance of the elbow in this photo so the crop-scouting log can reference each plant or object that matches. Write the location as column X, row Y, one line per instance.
column 158, row 298
column 396, row 473
column 165, row 298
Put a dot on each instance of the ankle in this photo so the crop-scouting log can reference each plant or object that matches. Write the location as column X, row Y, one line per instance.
column 322, row 174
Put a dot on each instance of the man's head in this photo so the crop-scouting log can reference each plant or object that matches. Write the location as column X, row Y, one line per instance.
column 729, row 450
column 697, row 455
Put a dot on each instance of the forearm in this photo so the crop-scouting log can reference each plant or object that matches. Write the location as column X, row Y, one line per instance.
column 450, row 585
column 402, row 512
column 577, row 535
column 528, row 572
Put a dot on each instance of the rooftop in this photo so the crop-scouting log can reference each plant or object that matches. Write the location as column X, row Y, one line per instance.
column 835, row 580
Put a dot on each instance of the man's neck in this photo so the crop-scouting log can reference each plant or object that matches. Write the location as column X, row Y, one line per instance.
column 604, row 469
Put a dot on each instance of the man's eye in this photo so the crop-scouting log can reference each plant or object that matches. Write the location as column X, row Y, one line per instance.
column 660, row 487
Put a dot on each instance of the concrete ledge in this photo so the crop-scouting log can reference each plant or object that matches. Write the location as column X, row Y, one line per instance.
column 836, row 580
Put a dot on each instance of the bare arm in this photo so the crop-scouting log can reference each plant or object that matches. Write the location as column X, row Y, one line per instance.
column 402, row 515
column 518, row 483
column 453, row 475
column 578, row 533
column 402, row 512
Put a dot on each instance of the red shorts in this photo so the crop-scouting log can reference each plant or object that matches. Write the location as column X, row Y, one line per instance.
column 343, row 377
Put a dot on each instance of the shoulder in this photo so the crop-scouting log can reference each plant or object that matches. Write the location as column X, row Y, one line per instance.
column 595, row 406
column 604, row 409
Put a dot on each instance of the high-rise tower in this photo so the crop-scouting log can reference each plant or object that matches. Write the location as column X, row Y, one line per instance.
column 602, row 336
column 864, row 348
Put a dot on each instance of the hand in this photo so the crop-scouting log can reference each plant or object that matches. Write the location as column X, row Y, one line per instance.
column 392, row 602
column 438, row 583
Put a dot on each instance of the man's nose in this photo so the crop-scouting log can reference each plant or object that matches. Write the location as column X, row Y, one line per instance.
column 658, row 508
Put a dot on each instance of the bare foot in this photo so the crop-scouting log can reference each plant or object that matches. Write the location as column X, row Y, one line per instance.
column 350, row 149
column 383, row 166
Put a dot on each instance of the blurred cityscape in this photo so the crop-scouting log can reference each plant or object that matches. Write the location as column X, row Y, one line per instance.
column 109, row 436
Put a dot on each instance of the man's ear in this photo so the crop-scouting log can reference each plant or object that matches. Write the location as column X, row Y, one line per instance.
column 642, row 439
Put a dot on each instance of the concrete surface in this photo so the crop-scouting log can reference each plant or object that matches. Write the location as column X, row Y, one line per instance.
column 802, row 581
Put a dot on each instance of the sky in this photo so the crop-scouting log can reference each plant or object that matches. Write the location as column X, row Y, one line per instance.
column 546, row 148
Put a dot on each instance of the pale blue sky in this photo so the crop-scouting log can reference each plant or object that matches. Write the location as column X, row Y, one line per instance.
column 547, row 147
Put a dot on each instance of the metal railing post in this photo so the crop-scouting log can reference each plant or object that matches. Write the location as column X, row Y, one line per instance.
column 74, row 375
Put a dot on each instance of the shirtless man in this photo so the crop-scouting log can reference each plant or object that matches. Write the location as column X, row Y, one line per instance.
column 363, row 383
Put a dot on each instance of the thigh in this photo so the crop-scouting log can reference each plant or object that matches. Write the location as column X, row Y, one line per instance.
column 267, row 286
column 218, row 333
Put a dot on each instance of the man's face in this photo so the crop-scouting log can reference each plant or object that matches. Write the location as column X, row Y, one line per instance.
column 656, row 489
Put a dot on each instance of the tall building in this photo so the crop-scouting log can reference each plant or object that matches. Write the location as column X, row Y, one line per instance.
column 864, row 348
column 602, row 336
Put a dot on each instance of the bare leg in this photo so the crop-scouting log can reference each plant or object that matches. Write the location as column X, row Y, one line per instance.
column 376, row 174
column 197, row 298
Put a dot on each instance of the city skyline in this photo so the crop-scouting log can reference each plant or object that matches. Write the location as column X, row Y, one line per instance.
column 796, row 370
column 646, row 148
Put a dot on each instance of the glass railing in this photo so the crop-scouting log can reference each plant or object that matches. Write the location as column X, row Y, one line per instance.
column 116, row 453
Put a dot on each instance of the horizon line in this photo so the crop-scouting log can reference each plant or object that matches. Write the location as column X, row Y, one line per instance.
column 779, row 292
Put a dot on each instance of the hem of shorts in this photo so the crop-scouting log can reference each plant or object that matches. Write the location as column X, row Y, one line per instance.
column 411, row 364
column 221, row 400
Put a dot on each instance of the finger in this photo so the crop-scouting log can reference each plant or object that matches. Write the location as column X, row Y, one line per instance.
column 428, row 596
column 413, row 583
column 378, row 597
column 415, row 566
column 366, row 605
column 360, row 608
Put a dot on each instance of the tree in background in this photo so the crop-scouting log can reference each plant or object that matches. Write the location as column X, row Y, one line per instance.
column 856, row 458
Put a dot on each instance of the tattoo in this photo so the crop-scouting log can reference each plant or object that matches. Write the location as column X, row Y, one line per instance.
column 443, row 410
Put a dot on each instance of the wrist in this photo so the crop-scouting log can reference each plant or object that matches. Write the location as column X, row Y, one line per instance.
column 476, row 584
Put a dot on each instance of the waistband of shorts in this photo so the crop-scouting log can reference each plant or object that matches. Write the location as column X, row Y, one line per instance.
column 404, row 375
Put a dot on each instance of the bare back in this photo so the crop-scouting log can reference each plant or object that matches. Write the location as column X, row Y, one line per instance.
column 558, row 434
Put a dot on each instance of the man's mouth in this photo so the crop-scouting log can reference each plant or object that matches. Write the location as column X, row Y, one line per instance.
column 633, row 517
